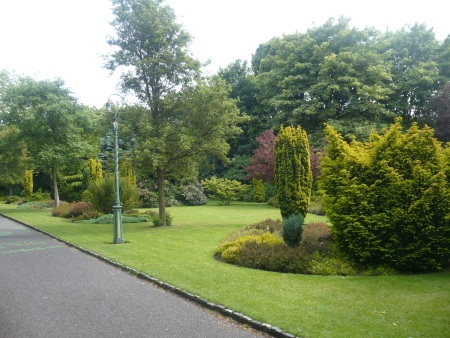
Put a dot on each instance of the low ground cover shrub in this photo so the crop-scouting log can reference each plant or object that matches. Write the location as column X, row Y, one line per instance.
column 71, row 210
column 108, row 219
column 34, row 205
column 261, row 246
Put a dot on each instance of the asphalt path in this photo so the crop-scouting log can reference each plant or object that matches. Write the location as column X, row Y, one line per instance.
column 48, row 289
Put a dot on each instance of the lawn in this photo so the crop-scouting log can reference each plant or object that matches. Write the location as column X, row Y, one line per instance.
column 309, row 306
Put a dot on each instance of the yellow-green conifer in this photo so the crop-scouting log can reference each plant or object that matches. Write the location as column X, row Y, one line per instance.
column 293, row 176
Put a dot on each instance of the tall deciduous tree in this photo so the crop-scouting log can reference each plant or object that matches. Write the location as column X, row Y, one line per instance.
column 293, row 177
column 173, row 129
column 53, row 126
column 13, row 157
column 198, row 122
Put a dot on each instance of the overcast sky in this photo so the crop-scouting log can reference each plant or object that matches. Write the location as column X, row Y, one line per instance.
column 46, row 39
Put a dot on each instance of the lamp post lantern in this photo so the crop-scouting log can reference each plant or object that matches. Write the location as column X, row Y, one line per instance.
column 117, row 208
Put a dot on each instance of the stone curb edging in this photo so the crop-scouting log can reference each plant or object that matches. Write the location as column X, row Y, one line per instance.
column 274, row 331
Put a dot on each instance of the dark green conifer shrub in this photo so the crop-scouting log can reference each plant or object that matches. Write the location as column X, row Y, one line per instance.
column 292, row 230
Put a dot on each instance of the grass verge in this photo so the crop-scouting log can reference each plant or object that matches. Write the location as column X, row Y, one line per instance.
column 309, row 306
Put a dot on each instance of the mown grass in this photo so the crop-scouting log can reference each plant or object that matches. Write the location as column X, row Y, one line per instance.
column 309, row 306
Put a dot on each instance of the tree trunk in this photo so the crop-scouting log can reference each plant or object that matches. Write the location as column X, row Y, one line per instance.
column 161, row 195
column 55, row 187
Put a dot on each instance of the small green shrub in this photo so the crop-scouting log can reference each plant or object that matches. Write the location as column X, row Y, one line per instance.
column 292, row 230
column 224, row 190
column 330, row 266
column 259, row 194
column 38, row 196
column 86, row 196
column 12, row 199
column 158, row 221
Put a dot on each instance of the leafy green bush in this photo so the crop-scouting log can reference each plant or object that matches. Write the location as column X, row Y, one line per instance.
column 38, row 196
column 292, row 230
column 12, row 199
column 103, row 195
column 86, row 196
column 389, row 198
column 192, row 194
column 224, row 190
column 158, row 221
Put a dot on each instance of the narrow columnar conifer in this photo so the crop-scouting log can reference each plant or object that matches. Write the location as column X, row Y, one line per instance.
column 28, row 183
column 95, row 173
column 293, row 176
column 259, row 194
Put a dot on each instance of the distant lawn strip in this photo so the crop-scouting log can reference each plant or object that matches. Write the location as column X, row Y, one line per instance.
column 309, row 306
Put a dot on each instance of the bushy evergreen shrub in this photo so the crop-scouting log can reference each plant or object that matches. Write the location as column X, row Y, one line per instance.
column 103, row 195
column 292, row 230
column 389, row 198
column 12, row 199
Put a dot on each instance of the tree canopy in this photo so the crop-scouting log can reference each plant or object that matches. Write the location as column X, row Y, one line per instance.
column 55, row 129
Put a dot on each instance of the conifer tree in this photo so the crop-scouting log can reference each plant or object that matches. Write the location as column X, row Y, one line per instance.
column 293, row 177
column 28, row 183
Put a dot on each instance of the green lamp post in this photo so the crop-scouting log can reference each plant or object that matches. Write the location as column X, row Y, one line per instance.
column 117, row 208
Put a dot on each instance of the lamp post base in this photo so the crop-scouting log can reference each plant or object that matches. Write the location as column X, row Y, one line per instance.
column 118, row 233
